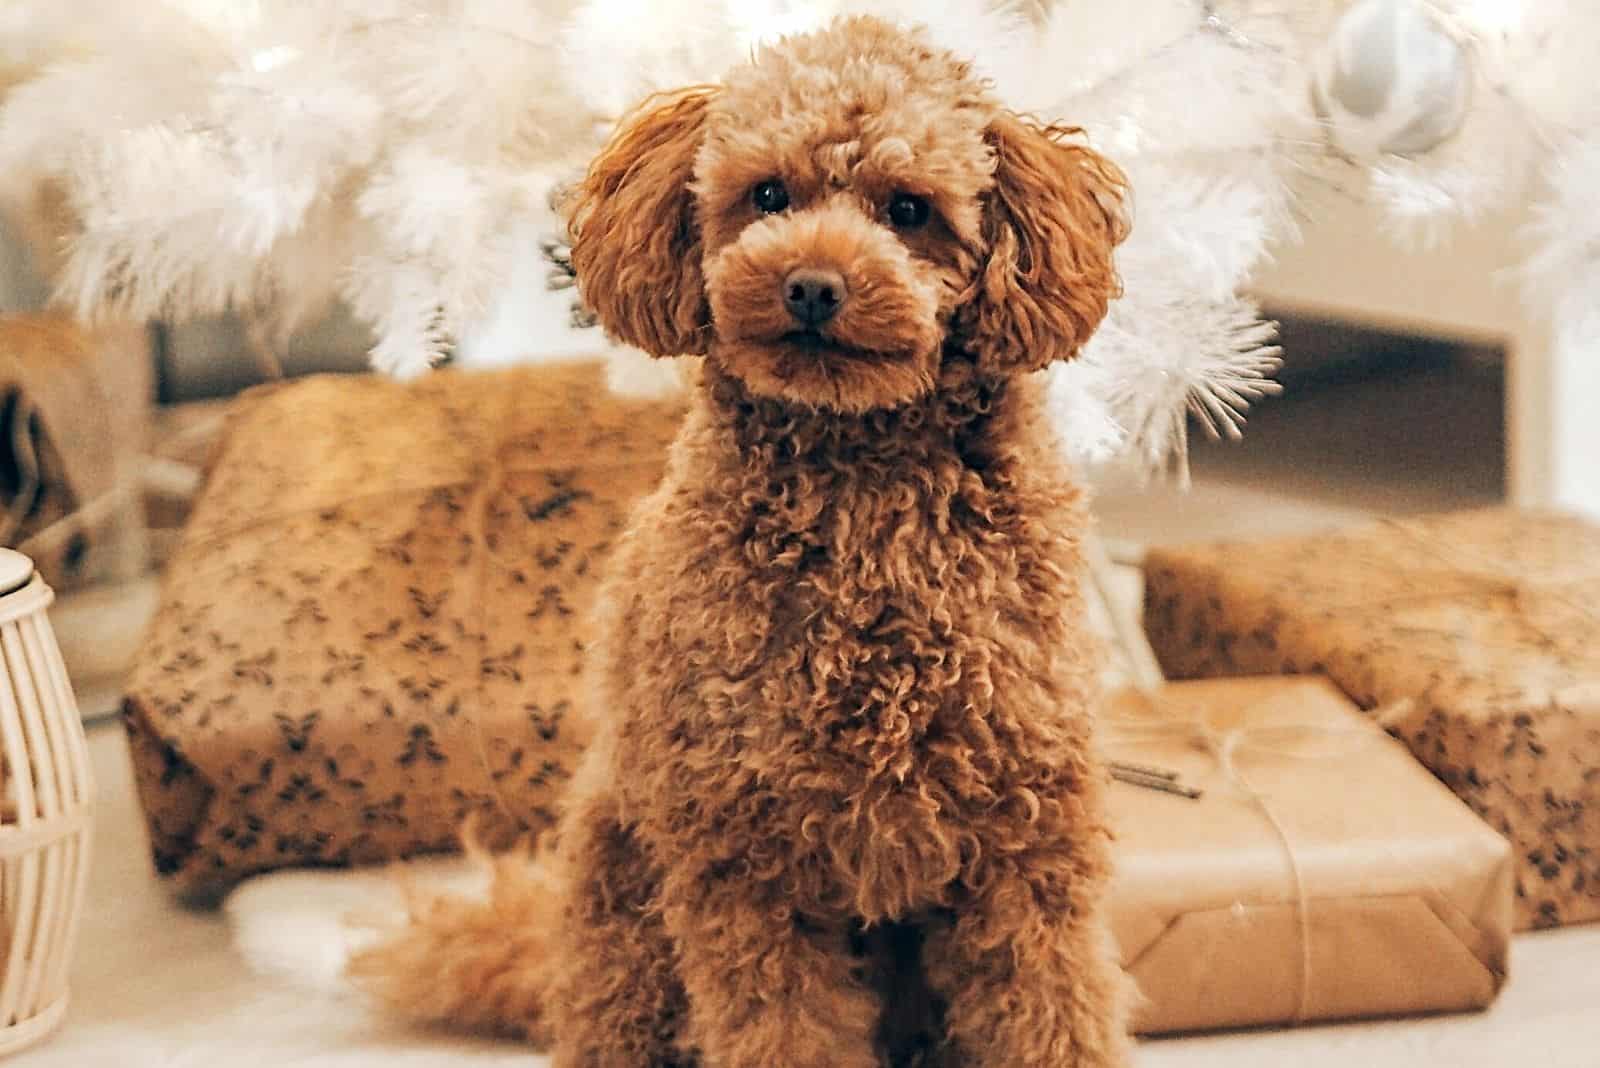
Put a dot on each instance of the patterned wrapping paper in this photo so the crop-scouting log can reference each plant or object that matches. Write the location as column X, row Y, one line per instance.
column 373, row 626
column 1322, row 874
column 1476, row 633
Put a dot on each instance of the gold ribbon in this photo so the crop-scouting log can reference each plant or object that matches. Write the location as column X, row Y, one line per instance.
column 1560, row 677
column 1493, row 576
column 488, row 488
column 1473, row 574
column 489, row 484
column 1225, row 746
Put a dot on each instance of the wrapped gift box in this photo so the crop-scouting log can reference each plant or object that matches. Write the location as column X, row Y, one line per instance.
column 75, row 418
column 372, row 628
column 1321, row 873
column 1474, row 637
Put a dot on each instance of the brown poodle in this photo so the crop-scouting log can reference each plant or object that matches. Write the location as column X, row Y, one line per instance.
column 843, row 810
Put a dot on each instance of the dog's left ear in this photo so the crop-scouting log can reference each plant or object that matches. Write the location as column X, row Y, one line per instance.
column 1052, row 222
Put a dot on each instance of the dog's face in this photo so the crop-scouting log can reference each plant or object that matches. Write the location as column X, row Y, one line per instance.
column 836, row 214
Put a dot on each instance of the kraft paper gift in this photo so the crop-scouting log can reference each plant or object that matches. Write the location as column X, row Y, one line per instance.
column 1476, row 633
column 372, row 628
column 1322, row 874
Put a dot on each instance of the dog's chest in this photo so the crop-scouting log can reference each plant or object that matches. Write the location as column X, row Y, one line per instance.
column 850, row 666
column 906, row 682
column 891, row 614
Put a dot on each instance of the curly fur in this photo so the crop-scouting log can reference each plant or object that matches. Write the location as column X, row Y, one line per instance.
column 843, row 810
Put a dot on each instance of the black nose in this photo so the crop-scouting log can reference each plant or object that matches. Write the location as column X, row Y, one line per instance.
column 813, row 296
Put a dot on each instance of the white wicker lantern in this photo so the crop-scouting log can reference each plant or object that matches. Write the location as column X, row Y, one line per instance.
column 45, row 796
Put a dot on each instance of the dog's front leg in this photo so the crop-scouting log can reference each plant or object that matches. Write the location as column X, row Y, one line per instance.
column 764, row 988
column 618, row 1003
column 1029, row 975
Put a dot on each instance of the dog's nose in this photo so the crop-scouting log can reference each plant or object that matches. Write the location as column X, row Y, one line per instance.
column 813, row 296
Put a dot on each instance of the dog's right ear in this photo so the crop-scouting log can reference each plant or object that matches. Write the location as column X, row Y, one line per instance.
column 635, row 242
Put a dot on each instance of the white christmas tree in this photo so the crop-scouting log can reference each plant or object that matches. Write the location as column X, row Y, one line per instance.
column 401, row 156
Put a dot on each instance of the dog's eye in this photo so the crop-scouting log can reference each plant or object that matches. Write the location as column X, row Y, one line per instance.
column 770, row 197
column 907, row 211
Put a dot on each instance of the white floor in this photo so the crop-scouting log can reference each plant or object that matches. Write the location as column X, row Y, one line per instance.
column 158, row 986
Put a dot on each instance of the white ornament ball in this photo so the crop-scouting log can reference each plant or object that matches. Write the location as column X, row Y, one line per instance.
column 1391, row 80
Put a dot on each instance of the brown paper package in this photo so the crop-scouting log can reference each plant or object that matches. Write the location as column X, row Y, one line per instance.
column 1321, row 875
column 373, row 625
column 1474, row 637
